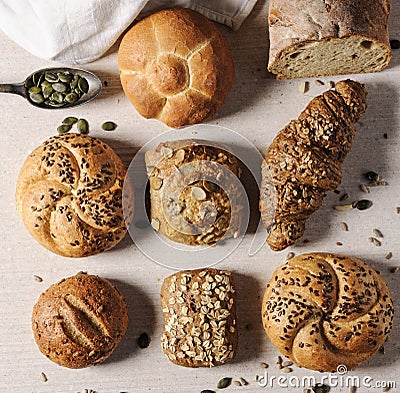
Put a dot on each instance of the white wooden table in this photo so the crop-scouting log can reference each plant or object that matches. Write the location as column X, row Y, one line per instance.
column 258, row 107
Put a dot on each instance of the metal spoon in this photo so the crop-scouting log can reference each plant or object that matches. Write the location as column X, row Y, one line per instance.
column 37, row 78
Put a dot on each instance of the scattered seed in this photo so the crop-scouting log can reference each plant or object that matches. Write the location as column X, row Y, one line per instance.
column 320, row 388
column 385, row 135
column 383, row 183
column 339, row 243
column 352, row 389
column 43, row 377
column 224, row 383
column 69, row 121
column 306, row 390
column 389, row 255
column 344, row 197
column 83, row 126
column 278, row 360
column 63, row 129
column 109, row 126
column 377, row 233
column 256, row 378
column 372, row 176
column 318, row 82
column 374, row 241
column 81, row 272
column 343, row 207
column 143, row 341
column 364, row 188
column 344, row 227
column 364, row 204
column 394, row 269
column 243, row 381
column 290, row 255
column 304, row 86
column 287, row 363
column 37, row 278
column 397, row 210
column 207, row 391
column 287, row 370
column 331, row 84
column 386, row 389
column 395, row 44
column 237, row 383
column 264, row 365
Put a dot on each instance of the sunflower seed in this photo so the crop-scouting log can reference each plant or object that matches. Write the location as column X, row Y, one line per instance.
column 290, row 255
column 109, row 126
column 374, row 241
column 43, row 377
column 343, row 207
column 365, row 189
column 287, row 363
column 318, row 82
column 37, row 278
column 352, row 389
column 397, row 210
column 304, row 87
column 287, row 370
column 344, row 197
column 264, row 365
column 394, row 269
column 344, row 227
column 243, row 381
column 237, row 383
column 224, row 383
column 389, row 255
column 377, row 233
column 256, row 378
column 332, row 84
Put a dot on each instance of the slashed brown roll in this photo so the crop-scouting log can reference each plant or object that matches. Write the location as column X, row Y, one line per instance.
column 200, row 327
column 79, row 321
column 324, row 310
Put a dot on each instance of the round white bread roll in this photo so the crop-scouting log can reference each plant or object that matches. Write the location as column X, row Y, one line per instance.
column 325, row 310
column 69, row 195
column 175, row 66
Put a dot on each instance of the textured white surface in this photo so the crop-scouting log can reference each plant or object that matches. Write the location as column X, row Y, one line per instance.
column 257, row 108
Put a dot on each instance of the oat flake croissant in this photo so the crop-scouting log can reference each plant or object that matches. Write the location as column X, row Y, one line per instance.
column 304, row 161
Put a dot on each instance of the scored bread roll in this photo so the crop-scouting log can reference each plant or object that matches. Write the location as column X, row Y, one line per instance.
column 69, row 195
column 200, row 326
column 310, row 38
column 325, row 310
column 79, row 321
column 175, row 66
column 195, row 192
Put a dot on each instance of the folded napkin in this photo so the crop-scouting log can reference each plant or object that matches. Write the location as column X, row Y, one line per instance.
column 80, row 31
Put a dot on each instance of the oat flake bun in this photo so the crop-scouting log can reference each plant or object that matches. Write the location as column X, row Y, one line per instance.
column 69, row 195
column 176, row 67
column 325, row 310
column 79, row 321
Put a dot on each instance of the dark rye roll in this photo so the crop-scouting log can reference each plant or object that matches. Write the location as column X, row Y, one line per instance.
column 324, row 310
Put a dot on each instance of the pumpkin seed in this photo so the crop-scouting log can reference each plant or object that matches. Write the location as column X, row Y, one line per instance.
column 372, row 176
column 320, row 388
column 57, row 97
column 109, row 126
column 60, row 87
column 198, row 193
column 56, row 104
column 51, row 77
column 36, row 98
column 207, row 391
column 71, row 98
column 83, row 85
column 40, row 79
column 83, row 126
column 35, row 90
column 70, row 120
column 364, row 204
column 224, row 383
column 45, row 84
column 143, row 341
column 63, row 129
column 47, row 91
column 65, row 77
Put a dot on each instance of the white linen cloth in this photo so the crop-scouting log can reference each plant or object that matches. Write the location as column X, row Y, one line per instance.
column 80, row 31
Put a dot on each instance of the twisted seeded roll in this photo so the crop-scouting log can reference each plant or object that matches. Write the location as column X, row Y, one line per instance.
column 69, row 195
column 176, row 67
column 311, row 38
column 79, row 321
column 200, row 326
column 193, row 194
column 323, row 310
column 304, row 161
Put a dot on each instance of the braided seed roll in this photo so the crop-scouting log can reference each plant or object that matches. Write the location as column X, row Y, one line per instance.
column 323, row 310
column 304, row 161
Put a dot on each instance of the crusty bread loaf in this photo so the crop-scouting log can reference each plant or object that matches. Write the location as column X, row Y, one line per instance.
column 175, row 66
column 69, row 195
column 325, row 310
column 199, row 308
column 310, row 38
column 193, row 197
column 304, row 161
column 79, row 321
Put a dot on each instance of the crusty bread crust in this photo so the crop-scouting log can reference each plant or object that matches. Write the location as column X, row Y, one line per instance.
column 69, row 195
column 310, row 38
column 200, row 326
column 175, row 66
column 304, row 161
column 79, row 321
column 325, row 310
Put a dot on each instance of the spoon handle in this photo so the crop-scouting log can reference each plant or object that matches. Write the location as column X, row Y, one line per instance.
column 12, row 88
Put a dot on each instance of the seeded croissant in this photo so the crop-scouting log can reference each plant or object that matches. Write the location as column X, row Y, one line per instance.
column 304, row 161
